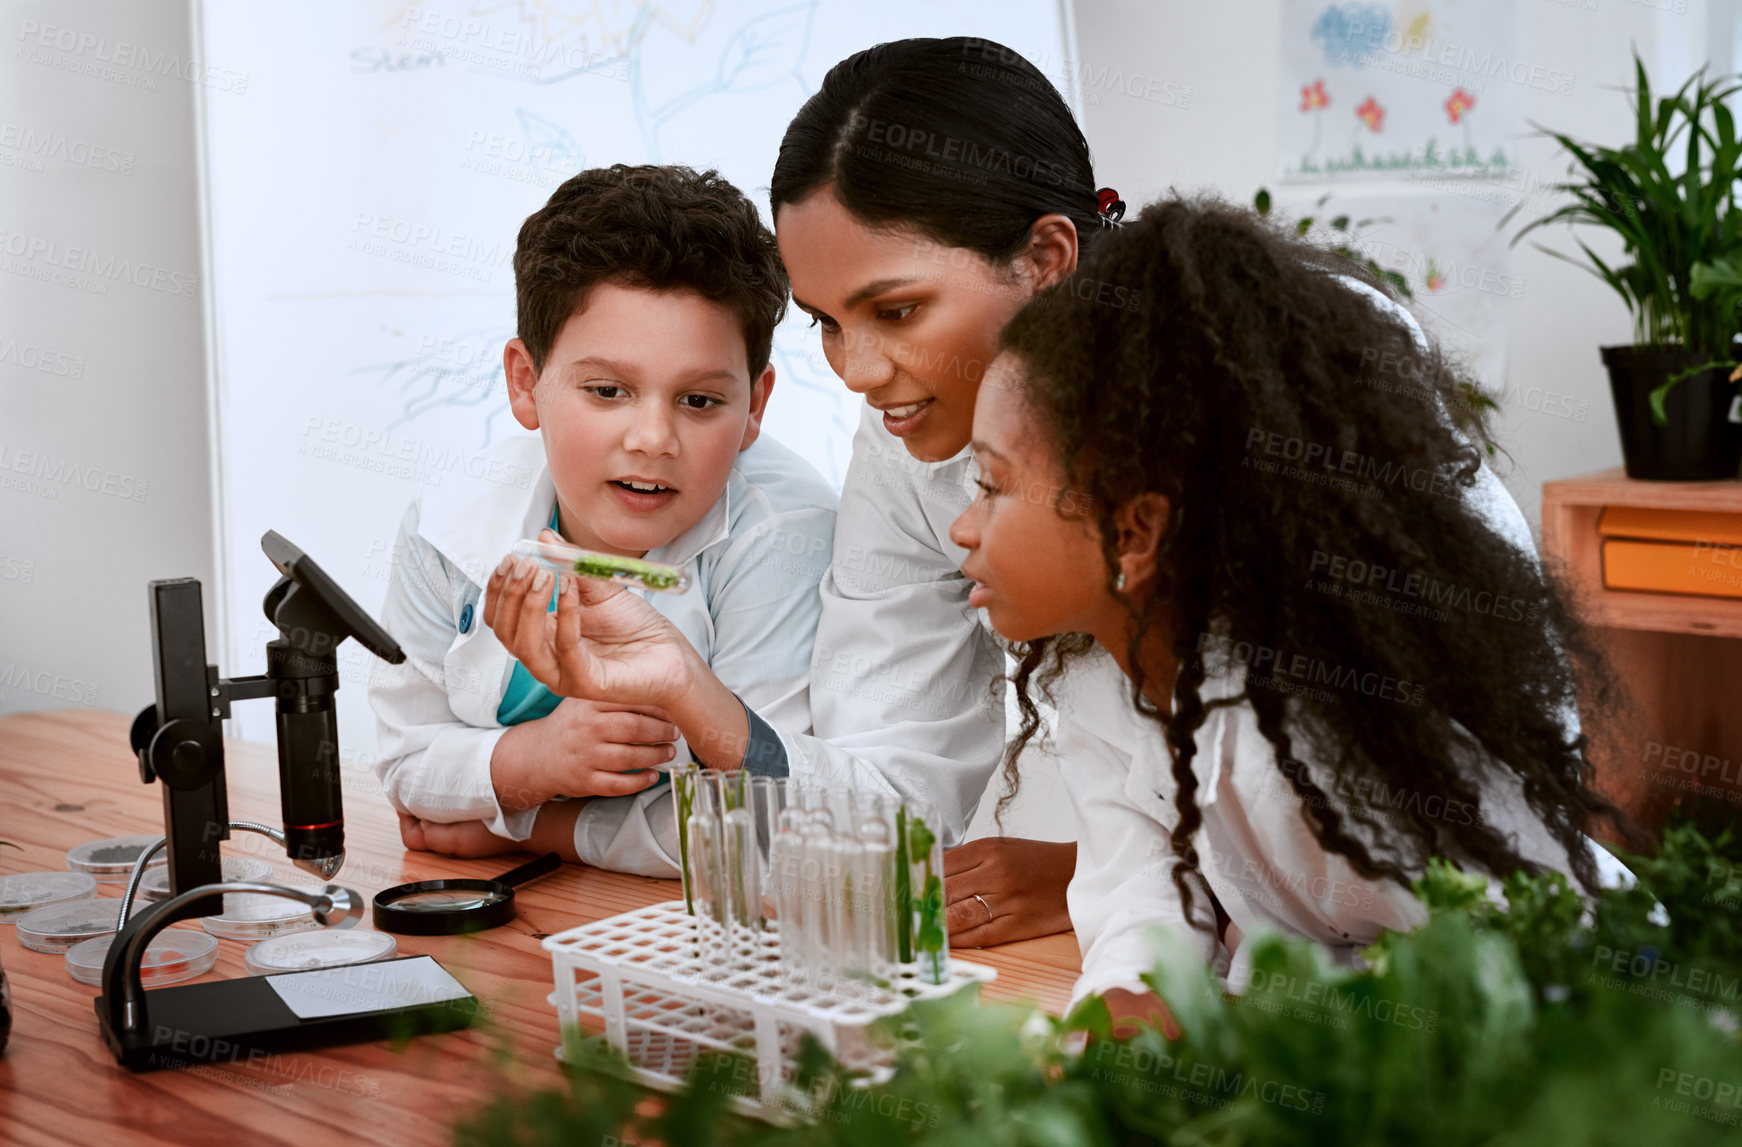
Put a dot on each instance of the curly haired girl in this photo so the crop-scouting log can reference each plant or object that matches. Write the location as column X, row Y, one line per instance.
column 1294, row 629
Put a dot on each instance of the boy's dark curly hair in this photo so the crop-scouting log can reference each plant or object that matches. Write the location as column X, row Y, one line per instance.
column 662, row 227
column 1297, row 427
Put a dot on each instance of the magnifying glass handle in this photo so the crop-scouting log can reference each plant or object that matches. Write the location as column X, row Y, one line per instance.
column 531, row 870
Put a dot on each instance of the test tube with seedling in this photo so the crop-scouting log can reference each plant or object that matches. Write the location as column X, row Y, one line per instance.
column 925, row 863
column 707, row 869
column 684, row 780
column 741, row 862
column 562, row 558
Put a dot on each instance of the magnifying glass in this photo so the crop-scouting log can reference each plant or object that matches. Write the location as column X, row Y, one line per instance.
column 450, row 907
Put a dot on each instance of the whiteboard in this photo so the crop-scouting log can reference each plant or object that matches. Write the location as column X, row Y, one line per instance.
column 364, row 189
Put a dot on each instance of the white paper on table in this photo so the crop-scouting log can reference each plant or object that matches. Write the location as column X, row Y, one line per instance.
column 360, row 988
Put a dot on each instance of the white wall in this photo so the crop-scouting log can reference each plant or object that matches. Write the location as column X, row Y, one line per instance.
column 104, row 444
column 1228, row 54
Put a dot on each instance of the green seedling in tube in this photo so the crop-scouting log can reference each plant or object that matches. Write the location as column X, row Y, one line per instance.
column 561, row 558
column 930, row 940
column 743, row 875
column 683, row 787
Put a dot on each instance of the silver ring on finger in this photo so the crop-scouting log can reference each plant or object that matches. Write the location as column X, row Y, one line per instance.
column 989, row 915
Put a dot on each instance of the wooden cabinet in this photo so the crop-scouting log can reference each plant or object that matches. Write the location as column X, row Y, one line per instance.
column 1675, row 731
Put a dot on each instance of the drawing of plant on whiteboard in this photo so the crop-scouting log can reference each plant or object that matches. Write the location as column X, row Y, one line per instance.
column 765, row 50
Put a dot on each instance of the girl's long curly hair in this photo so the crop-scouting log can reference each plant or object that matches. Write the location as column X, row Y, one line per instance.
column 1304, row 438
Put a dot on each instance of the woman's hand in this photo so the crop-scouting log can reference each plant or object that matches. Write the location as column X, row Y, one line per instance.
column 1004, row 888
column 603, row 643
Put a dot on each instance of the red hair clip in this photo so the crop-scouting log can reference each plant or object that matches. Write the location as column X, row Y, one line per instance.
column 1110, row 207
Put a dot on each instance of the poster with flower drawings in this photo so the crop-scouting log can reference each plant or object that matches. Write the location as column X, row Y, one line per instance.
column 1375, row 90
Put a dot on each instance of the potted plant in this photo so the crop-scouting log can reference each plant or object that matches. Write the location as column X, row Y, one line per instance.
column 1670, row 196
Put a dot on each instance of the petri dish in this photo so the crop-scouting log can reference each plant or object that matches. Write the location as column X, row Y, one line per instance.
column 22, row 891
column 323, row 949
column 110, row 860
column 174, row 955
column 59, row 926
column 256, row 915
column 154, row 885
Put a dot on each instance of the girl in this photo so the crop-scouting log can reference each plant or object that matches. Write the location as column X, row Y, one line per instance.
column 1291, row 654
column 921, row 197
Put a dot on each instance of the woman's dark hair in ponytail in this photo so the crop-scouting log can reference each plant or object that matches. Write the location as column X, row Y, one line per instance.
column 1297, row 427
column 961, row 138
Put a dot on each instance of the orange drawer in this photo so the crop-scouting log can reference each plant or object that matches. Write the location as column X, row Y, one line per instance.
column 1703, row 568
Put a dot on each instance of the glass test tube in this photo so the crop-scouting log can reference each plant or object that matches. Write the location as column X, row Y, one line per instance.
column 741, row 869
column 785, row 864
column 818, row 872
column 846, row 907
column 707, row 870
column 684, row 779
column 925, row 862
column 875, row 816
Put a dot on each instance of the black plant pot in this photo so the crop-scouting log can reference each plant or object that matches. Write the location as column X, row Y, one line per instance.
column 1700, row 442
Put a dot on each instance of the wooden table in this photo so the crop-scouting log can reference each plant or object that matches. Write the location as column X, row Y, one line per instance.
column 68, row 777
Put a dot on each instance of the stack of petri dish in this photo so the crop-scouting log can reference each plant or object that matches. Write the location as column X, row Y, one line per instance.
column 111, row 860
column 174, row 955
column 58, row 927
column 23, row 891
column 154, row 885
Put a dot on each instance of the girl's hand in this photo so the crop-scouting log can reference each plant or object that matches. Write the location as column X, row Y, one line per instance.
column 1135, row 1010
column 603, row 643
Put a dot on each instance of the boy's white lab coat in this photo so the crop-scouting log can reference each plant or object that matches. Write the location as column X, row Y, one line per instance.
column 755, row 560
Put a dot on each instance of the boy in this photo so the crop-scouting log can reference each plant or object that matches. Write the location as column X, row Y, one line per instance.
column 646, row 300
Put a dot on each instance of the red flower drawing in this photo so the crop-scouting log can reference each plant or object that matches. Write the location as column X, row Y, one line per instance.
column 1460, row 103
column 1371, row 114
column 1313, row 97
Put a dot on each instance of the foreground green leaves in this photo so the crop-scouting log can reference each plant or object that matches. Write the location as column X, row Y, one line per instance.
column 1546, row 1021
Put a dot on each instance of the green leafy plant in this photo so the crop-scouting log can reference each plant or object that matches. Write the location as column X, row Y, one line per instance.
column 1681, row 233
column 1341, row 240
column 1490, row 1024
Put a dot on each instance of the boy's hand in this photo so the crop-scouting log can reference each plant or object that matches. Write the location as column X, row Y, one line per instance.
column 467, row 838
column 581, row 749
column 602, row 643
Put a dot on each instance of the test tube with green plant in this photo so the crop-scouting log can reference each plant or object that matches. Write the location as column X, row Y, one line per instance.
column 931, row 938
column 742, row 869
column 561, row 558
column 683, row 791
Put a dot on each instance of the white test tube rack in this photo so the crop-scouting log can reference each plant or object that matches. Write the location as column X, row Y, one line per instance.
column 663, row 1006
